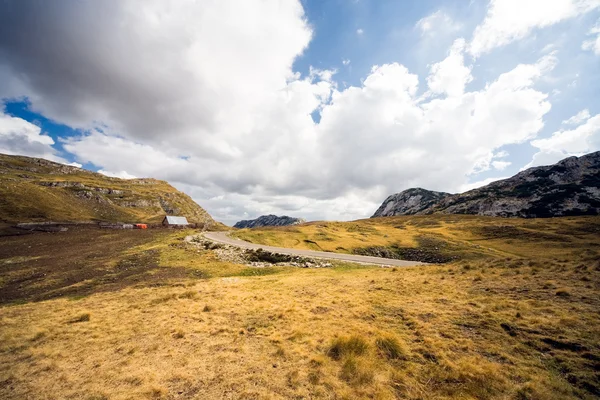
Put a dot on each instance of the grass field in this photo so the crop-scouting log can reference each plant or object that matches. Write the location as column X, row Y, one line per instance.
column 39, row 190
column 513, row 315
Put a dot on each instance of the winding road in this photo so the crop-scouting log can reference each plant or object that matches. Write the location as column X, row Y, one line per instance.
column 224, row 238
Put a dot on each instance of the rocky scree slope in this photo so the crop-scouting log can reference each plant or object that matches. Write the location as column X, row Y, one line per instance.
column 268, row 220
column 35, row 190
column 568, row 188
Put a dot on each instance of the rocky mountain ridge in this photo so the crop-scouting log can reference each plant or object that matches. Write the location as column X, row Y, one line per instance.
column 268, row 220
column 37, row 190
column 567, row 188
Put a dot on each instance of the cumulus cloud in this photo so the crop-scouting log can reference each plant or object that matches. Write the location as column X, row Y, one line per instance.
column 580, row 140
column 203, row 94
column 593, row 44
column 501, row 165
column 21, row 137
column 510, row 20
column 578, row 118
column 153, row 70
column 450, row 75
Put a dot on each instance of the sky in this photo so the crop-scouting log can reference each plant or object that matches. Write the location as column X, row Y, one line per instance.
column 317, row 109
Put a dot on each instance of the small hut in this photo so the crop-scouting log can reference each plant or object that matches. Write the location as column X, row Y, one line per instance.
column 171, row 220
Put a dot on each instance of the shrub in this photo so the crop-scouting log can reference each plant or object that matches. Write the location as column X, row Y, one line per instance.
column 343, row 346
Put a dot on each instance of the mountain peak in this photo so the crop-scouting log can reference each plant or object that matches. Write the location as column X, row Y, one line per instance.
column 569, row 187
column 269, row 220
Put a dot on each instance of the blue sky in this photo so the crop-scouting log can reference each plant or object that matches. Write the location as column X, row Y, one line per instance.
column 317, row 109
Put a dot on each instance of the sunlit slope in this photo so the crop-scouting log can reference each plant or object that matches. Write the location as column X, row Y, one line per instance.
column 445, row 237
column 33, row 189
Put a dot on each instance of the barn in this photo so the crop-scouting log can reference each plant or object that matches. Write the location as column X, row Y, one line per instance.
column 171, row 220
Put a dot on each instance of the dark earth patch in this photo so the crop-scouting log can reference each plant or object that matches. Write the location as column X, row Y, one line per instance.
column 429, row 250
column 79, row 262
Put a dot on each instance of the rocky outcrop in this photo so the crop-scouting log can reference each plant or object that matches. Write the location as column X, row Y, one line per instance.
column 569, row 187
column 269, row 220
column 409, row 202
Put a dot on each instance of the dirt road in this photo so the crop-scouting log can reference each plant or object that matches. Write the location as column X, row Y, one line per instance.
column 223, row 237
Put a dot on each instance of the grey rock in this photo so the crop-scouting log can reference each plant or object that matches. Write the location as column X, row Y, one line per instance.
column 568, row 188
column 269, row 220
column 409, row 202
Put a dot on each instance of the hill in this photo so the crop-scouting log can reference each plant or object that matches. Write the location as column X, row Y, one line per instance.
column 34, row 189
column 268, row 220
column 568, row 188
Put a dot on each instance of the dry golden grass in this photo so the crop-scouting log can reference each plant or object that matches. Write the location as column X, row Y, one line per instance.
column 491, row 327
column 464, row 236
column 23, row 197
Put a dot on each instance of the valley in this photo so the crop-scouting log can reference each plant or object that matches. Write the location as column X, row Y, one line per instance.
column 512, row 314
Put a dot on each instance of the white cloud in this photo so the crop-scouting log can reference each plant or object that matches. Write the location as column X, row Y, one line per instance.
column 578, row 118
column 20, row 137
column 149, row 69
column 437, row 23
column 434, row 144
column 583, row 139
column 120, row 174
column 360, row 31
column 346, row 62
column 372, row 140
column 219, row 113
column 510, row 20
column 450, row 75
column 593, row 44
column 501, row 165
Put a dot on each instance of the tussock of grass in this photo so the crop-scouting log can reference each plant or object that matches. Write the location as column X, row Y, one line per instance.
column 85, row 317
column 344, row 346
column 390, row 348
column 356, row 371
column 189, row 294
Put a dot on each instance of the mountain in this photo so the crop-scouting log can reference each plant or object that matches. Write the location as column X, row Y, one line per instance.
column 569, row 187
column 269, row 220
column 409, row 202
column 34, row 189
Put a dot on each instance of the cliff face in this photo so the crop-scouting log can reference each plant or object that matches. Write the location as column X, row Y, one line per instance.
column 569, row 187
column 268, row 220
column 34, row 190
column 409, row 202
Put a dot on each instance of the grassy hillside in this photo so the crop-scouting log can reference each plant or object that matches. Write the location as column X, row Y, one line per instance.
column 34, row 189
column 154, row 318
column 442, row 238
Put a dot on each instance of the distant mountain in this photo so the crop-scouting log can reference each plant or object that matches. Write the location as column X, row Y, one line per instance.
column 569, row 187
column 35, row 190
column 269, row 220
column 410, row 202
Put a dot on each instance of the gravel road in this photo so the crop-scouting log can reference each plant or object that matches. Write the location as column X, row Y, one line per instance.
column 223, row 237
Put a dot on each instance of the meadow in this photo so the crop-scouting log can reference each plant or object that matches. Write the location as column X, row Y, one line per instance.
column 511, row 311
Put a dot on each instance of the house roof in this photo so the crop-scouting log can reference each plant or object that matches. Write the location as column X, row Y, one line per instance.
column 172, row 220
